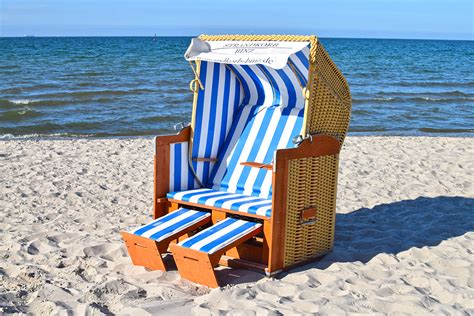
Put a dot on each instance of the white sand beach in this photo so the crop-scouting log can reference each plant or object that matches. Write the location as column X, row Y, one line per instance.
column 404, row 235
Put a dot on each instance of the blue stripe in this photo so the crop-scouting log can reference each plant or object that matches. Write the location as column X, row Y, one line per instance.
column 177, row 167
column 256, row 144
column 225, row 107
column 289, row 87
column 236, row 205
column 241, row 143
column 177, row 225
column 300, row 73
column 160, row 221
column 188, row 243
column 230, row 235
column 253, row 209
column 187, row 196
column 212, row 121
column 262, row 173
column 257, row 82
column 245, row 86
column 199, row 113
column 304, row 60
column 220, row 202
column 223, row 151
column 203, row 199
column 275, row 88
column 236, row 95
column 296, row 129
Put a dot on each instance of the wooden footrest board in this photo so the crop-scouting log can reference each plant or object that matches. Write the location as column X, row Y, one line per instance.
column 147, row 243
column 197, row 256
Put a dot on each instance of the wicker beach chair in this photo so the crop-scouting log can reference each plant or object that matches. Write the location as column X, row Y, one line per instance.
column 253, row 179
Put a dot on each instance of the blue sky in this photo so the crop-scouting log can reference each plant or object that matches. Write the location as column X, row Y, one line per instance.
column 439, row 19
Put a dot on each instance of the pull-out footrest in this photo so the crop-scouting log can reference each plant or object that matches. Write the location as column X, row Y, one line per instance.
column 147, row 243
column 197, row 256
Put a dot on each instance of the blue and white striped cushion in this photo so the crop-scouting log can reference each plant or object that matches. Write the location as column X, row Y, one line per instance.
column 219, row 235
column 256, row 135
column 215, row 108
column 180, row 175
column 170, row 224
column 229, row 201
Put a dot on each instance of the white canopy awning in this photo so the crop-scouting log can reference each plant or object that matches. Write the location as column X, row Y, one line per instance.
column 273, row 54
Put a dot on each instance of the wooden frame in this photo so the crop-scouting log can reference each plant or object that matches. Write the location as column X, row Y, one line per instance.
column 148, row 253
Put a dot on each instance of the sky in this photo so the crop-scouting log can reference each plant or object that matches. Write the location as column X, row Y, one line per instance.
column 426, row 19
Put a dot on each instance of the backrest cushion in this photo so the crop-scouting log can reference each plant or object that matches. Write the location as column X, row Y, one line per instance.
column 254, row 136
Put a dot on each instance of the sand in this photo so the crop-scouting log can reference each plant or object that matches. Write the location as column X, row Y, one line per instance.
column 404, row 236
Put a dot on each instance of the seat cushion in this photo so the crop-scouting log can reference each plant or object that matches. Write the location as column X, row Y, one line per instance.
column 170, row 224
column 229, row 201
column 220, row 235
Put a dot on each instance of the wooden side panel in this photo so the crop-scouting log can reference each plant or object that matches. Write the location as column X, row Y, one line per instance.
column 162, row 167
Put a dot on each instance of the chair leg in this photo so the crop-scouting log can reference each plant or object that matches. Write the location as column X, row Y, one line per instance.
column 196, row 266
column 144, row 251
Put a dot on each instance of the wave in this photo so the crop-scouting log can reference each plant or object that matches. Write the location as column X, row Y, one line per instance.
column 61, row 102
column 412, row 100
column 21, row 101
column 18, row 115
column 445, row 130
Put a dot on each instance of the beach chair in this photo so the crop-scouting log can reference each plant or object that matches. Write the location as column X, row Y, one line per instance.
column 258, row 164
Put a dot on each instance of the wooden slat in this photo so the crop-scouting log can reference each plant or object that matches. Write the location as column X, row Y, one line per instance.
column 257, row 165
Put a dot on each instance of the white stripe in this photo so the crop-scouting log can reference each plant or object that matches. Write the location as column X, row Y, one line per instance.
column 262, row 151
column 251, row 84
column 245, row 208
column 205, row 119
column 179, row 195
column 228, row 204
column 290, row 124
column 212, row 201
column 171, row 170
column 296, row 84
column 218, row 115
column 263, row 210
column 183, row 227
column 233, row 238
column 267, row 87
column 230, row 149
column 244, row 154
column 216, row 235
column 300, row 66
column 280, row 86
column 166, row 224
column 195, row 198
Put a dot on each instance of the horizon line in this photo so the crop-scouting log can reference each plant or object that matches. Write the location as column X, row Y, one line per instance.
column 335, row 37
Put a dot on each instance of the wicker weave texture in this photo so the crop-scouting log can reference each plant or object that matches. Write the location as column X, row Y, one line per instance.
column 312, row 183
column 329, row 105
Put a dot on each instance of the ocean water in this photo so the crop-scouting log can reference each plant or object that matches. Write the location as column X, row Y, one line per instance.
column 129, row 86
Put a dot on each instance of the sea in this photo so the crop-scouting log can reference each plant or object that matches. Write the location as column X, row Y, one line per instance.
column 139, row 86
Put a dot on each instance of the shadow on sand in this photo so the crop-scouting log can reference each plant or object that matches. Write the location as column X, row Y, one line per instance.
column 387, row 228
column 396, row 227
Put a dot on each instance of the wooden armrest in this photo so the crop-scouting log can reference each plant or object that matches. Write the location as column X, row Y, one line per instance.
column 182, row 136
column 257, row 165
column 320, row 145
